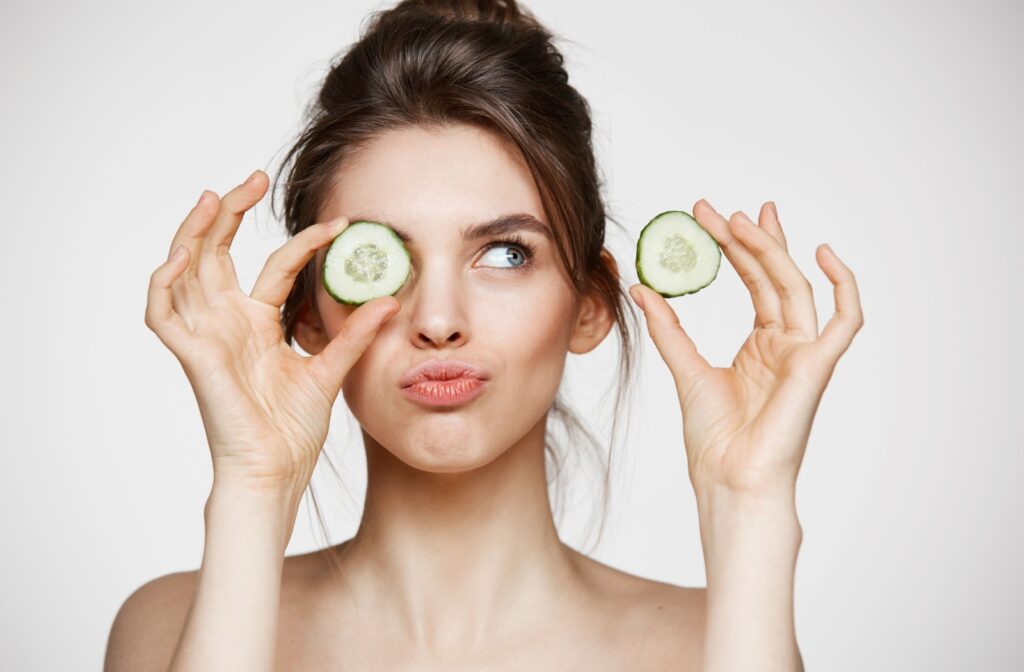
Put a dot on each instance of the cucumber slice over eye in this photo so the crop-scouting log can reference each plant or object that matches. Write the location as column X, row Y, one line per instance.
column 365, row 261
column 675, row 255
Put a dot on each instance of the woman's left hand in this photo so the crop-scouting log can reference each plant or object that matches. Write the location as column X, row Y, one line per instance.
column 745, row 427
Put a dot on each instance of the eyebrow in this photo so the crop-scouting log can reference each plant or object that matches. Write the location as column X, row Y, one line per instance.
column 517, row 221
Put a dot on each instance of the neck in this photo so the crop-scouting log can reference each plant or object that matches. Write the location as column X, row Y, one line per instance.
column 447, row 555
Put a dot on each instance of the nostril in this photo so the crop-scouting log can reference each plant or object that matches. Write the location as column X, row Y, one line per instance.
column 425, row 338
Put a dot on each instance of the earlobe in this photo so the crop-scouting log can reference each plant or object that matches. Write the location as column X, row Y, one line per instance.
column 595, row 318
column 309, row 333
column 592, row 324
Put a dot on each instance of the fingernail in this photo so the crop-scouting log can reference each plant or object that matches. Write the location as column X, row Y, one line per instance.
column 177, row 253
column 252, row 177
column 638, row 298
column 774, row 209
column 201, row 197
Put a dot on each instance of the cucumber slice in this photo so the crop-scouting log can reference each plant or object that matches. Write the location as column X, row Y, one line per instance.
column 365, row 261
column 675, row 255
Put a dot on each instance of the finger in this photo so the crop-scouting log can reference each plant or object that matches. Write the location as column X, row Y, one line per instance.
column 216, row 270
column 672, row 341
column 330, row 366
column 278, row 275
column 762, row 292
column 189, row 299
column 194, row 227
column 848, row 318
column 161, row 317
column 794, row 291
column 768, row 220
column 187, row 294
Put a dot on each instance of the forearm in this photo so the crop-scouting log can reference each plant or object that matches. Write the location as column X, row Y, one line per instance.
column 232, row 624
column 750, row 549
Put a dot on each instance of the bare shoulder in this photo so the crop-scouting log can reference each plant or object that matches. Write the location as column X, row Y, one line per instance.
column 147, row 626
column 660, row 624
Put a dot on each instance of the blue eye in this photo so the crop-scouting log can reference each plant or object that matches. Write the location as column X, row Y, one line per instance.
column 519, row 254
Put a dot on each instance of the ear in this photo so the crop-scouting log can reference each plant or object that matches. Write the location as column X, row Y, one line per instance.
column 309, row 332
column 594, row 318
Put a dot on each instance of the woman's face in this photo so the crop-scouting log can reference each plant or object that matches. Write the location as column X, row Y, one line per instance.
column 472, row 300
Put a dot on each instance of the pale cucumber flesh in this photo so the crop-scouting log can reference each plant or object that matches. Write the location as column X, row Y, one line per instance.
column 365, row 261
column 675, row 255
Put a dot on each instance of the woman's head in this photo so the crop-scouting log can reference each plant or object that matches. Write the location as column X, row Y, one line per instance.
column 508, row 308
column 443, row 115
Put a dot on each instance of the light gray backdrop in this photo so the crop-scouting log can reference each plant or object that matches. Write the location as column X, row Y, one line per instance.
column 891, row 130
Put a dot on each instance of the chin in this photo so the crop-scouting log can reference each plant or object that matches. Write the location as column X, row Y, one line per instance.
column 432, row 464
column 447, row 457
column 444, row 449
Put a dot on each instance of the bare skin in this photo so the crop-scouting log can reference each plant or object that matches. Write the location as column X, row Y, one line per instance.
column 611, row 620
column 457, row 554
column 457, row 563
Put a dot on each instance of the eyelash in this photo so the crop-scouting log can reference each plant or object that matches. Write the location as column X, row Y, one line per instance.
column 515, row 240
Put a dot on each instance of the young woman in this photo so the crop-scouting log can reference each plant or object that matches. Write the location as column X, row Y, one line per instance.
column 454, row 123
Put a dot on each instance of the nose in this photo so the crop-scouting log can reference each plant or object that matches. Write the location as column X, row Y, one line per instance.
column 438, row 318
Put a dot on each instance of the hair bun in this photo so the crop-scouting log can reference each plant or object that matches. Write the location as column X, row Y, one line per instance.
column 488, row 11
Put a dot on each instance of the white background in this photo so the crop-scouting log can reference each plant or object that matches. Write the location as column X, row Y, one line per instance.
column 890, row 130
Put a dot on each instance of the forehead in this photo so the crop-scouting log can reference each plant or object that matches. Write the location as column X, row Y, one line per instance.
column 434, row 180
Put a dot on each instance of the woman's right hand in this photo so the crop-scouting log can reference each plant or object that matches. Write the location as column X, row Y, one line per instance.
column 266, row 408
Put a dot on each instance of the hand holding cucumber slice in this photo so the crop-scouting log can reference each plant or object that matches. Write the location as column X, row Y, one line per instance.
column 365, row 261
column 675, row 255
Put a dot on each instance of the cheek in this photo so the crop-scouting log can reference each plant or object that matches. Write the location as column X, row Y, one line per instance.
column 365, row 392
column 523, row 330
column 528, row 330
column 356, row 387
column 333, row 316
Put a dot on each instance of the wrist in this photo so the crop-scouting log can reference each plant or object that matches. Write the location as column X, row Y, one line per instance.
column 726, row 514
column 238, row 507
column 260, row 492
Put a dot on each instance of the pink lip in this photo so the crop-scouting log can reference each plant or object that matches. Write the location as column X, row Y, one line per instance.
column 444, row 392
column 443, row 382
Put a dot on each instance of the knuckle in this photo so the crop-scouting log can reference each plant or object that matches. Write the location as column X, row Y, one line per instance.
column 753, row 282
column 800, row 289
column 275, row 255
column 274, row 261
column 236, row 201
column 314, row 235
column 352, row 341
column 345, row 336
column 153, row 323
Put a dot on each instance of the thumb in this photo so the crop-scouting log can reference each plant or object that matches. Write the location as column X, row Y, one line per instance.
column 672, row 341
column 332, row 364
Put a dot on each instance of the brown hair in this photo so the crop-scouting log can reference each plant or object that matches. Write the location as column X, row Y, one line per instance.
column 486, row 63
